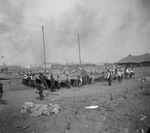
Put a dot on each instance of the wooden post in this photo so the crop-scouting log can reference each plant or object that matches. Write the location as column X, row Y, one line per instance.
column 79, row 50
column 44, row 46
column 111, row 96
column 125, row 94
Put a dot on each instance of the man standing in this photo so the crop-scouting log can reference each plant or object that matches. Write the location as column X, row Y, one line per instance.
column 109, row 77
column 119, row 76
column 58, row 82
column 1, row 90
column 92, row 78
column 40, row 88
column 52, row 83
column 68, row 80
column 42, row 77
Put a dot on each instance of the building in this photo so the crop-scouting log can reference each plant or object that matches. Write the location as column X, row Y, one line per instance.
column 57, row 66
column 140, row 60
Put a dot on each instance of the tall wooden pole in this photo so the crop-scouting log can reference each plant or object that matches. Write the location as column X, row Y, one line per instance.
column 44, row 46
column 79, row 50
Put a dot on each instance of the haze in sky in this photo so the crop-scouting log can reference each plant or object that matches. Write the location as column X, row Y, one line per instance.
column 109, row 30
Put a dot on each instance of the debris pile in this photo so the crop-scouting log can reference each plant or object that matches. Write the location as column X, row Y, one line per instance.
column 143, row 79
column 40, row 109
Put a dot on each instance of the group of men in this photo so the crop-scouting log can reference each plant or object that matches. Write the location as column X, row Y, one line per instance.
column 119, row 74
column 82, row 79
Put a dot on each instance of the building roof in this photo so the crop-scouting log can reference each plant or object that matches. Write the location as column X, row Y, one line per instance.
column 135, row 59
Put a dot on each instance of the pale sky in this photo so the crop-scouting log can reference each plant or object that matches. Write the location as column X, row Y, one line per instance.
column 109, row 30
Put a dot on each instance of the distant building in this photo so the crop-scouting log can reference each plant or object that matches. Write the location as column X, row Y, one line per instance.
column 140, row 60
column 27, row 66
column 48, row 65
column 57, row 66
column 89, row 65
column 109, row 65
column 82, row 65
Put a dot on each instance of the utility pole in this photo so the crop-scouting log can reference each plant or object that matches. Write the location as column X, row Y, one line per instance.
column 79, row 50
column 44, row 46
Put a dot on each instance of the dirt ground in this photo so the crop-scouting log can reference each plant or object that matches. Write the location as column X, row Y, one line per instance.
column 121, row 107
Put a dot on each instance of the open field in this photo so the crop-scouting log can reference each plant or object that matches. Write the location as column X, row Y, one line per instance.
column 120, row 113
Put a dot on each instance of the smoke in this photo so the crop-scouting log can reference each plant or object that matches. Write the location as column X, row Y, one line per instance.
column 108, row 30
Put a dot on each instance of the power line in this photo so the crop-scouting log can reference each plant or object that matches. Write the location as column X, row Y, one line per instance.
column 19, row 22
column 14, row 21
column 43, row 29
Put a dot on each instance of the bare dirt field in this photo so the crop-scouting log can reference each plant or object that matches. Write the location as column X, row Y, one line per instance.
column 121, row 107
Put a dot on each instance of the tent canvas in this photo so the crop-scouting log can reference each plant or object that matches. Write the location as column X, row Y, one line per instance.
column 135, row 59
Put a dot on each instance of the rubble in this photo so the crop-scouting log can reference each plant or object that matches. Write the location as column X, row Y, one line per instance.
column 40, row 109
column 143, row 79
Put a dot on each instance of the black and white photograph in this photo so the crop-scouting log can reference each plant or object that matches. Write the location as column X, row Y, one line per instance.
column 74, row 66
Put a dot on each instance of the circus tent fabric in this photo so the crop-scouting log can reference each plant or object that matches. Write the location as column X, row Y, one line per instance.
column 145, row 58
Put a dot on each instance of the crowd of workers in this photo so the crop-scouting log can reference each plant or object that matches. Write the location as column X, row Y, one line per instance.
column 84, row 78
column 42, row 82
column 119, row 74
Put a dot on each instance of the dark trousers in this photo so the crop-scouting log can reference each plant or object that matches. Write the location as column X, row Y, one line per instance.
column 131, row 74
column 109, row 81
column 53, row 88
column 58, row 85
column 1, row 95
column 119, row 79
column 41, row 94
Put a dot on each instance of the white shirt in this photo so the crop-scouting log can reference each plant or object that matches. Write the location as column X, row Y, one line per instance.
column 25, row 77
column 108, row 75
column 119, row 73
